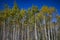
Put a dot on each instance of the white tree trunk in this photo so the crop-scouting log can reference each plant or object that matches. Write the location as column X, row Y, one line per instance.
column 35, row 32
column 28, row 32
column 22, row 32
column 13, row 31
column 3, row 31
column 49, row 30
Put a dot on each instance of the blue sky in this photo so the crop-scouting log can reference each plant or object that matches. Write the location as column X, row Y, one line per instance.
column 28, row 3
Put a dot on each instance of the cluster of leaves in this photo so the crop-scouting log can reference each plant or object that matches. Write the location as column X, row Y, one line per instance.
column 26, row 15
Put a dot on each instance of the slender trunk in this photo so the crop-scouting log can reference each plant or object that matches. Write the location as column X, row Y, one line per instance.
column 42, row 34
column 18, row 30
column 39, row 34
column 24, row 36
column 56, row 32
column 35, row 28
column 28, row 32
column 3, row 31
column 45, row 34
column 22, row 32
column 6, row 30
column 49, row 30
column 15, row 26
column 14, row 30
column 45, row 28
column 52, row 32
column 35, row 32
column 11, row 31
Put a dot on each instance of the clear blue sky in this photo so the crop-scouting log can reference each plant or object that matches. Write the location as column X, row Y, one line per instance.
column 28, row 3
